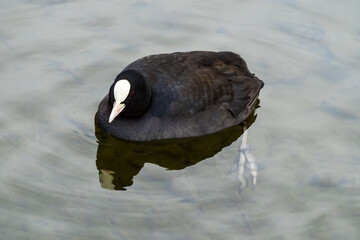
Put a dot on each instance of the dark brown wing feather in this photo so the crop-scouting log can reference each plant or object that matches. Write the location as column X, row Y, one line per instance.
column 187, row 83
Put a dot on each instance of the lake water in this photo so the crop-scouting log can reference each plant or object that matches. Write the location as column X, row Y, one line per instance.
column 58, row 59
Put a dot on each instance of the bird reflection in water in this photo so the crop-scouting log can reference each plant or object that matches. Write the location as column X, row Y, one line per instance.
column 118, row 161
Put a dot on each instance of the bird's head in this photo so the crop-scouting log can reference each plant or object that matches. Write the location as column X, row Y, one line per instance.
column 129, row 95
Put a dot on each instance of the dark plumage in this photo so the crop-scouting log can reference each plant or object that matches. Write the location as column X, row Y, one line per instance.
column 182, row 95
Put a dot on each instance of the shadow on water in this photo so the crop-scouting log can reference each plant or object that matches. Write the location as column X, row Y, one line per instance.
column 118, row 161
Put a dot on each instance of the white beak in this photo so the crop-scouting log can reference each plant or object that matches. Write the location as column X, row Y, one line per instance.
column 117, row 108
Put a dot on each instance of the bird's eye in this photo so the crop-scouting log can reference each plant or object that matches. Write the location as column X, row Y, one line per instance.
column 132, row 93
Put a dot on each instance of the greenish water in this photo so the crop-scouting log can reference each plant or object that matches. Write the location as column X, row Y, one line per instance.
column 58, row 59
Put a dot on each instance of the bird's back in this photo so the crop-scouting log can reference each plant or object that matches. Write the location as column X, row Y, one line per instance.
column 188, row 83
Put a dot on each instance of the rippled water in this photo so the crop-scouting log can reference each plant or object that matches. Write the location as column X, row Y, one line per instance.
column 57, row 60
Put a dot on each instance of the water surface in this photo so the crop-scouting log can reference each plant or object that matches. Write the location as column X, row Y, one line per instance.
column 58, row 59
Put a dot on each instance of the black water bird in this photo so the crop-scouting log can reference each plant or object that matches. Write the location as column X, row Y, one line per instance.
column 179, row 95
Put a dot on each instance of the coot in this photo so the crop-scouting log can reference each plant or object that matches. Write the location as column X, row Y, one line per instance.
column 178, row 95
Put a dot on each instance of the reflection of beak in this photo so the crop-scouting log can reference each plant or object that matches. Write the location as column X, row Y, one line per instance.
column 117, row 108
column 106, row 179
